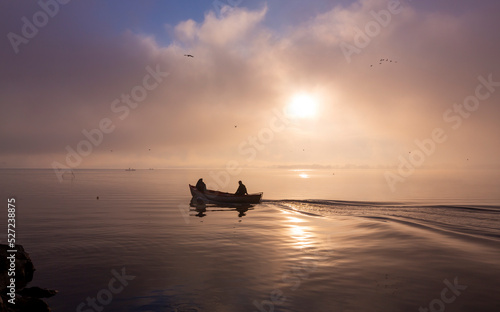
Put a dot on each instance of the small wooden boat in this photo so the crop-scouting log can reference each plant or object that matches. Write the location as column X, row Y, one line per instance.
column 216, row 197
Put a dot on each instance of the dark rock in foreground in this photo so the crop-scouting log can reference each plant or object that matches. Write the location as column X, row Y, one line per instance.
column 24, row 267
column 27, row 299
column 37, row 292
column 3, row 306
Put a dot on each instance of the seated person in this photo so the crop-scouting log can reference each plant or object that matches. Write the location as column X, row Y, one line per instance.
column 242, row 190
column 200, row 186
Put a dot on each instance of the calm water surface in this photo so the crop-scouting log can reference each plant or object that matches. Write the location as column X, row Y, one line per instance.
column 323, row 240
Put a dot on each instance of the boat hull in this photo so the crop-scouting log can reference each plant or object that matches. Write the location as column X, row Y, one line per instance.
column 217, row 197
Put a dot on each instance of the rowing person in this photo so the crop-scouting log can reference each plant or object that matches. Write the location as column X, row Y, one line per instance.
column 242, row 189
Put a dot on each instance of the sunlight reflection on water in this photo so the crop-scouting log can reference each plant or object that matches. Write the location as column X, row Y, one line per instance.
column 300, row 233
column 304, row 175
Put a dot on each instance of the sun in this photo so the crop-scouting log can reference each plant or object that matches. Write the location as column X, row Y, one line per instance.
column 302, row 106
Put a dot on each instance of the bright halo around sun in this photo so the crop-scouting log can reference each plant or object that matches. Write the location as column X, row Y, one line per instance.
column 302, row 106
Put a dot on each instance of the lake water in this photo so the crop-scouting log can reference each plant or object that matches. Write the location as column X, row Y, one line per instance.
column 322, row 240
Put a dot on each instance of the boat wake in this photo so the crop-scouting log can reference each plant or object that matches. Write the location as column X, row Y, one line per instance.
column 478, row 221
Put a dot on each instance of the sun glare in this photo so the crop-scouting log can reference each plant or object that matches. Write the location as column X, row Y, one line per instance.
column 304, row 175
column 302, row 106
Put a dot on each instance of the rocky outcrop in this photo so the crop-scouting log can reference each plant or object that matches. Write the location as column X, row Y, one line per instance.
column 3, row 306
column 37, row 292
column 27, row 299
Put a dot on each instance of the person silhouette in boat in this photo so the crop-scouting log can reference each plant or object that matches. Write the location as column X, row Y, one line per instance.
column 201, row 186
column 242, row 189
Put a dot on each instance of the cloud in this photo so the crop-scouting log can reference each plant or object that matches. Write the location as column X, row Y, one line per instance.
column 232, row 29
column 66, row 78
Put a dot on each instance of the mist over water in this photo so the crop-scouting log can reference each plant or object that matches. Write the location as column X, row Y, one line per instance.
column 320, row 237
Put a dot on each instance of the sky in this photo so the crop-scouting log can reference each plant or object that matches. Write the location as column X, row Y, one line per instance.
column 367, row 83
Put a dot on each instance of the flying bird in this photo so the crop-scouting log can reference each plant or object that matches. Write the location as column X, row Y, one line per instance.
column 387, row 60
column 188, row 55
